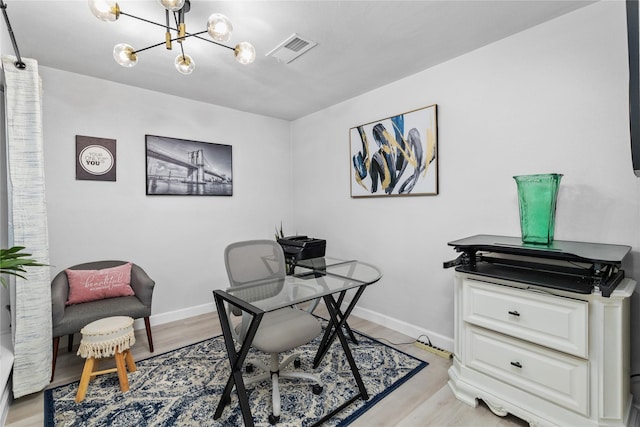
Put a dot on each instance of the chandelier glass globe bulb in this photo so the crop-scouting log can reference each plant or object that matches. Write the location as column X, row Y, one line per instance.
column 125, row 55
column 185, row 64
column 245, row 53
column 219, row 27
column 172, row 5
column 105, row 10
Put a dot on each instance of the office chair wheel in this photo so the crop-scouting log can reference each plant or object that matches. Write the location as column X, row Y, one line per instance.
column 273, row 420
column 249, row 368
column 296, row 363
column 317, row 389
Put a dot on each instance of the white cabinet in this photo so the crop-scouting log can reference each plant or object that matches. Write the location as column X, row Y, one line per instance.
column 548, row 356
column 553, row 321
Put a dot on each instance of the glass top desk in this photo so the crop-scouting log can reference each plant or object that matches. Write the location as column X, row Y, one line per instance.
column 314, row 278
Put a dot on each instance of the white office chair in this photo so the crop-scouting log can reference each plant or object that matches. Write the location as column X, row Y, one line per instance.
column 282, row 330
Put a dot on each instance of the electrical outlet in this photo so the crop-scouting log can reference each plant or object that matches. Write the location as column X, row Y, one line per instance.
column 435, row 350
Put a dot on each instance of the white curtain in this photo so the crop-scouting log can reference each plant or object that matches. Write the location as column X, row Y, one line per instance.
column 31, row 298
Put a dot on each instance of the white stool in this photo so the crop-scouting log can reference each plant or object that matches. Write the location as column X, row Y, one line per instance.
column 109, row 337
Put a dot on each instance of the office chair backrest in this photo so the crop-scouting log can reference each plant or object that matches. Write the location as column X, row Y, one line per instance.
column 254, row 261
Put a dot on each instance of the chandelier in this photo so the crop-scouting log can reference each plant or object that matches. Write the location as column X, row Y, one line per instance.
column 218, row 26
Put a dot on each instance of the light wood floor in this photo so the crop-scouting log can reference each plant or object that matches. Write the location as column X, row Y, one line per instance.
column 424, row 400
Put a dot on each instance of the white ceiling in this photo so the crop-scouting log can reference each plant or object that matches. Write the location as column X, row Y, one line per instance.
column 362, row 45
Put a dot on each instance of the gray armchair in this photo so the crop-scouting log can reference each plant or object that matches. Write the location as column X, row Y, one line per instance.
column 69, row 319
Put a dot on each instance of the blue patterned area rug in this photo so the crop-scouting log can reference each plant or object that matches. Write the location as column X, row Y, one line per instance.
column 183, row 387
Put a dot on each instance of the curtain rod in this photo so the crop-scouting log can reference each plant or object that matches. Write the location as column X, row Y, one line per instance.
column 19, row 64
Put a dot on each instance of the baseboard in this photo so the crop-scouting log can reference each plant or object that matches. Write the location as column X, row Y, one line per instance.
column 404, row 327
column 381, row 319
column 172, row 316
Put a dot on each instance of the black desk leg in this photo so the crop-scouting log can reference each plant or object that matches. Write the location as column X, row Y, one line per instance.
column 329, row 335
column 236, row 359
column 330, row 332
column 340, row 315
column 330, row 303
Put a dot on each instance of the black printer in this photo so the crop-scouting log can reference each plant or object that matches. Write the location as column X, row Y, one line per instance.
column 302, row 247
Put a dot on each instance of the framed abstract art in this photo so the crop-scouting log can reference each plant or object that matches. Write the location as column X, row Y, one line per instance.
column 396, row 156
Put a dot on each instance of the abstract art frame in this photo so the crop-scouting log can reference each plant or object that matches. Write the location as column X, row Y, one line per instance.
column 396, row 156
column 182, row 167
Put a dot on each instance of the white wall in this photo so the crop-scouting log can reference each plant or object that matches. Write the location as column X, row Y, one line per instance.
column 6, row 49
column 550, row 99
column 6, row 345
column 178, row 240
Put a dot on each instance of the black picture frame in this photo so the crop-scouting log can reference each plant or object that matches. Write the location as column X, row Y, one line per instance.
column 633, row 40
column 182, row 167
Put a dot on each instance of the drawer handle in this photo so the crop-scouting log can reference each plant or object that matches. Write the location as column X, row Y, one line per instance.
column 516, row 364
column 514, row 313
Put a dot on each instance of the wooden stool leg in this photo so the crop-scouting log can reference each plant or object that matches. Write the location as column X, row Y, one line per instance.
column 122, row 372
column 128, row 357
column 84, row 380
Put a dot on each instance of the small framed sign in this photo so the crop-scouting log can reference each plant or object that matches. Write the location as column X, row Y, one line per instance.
column 95, row 158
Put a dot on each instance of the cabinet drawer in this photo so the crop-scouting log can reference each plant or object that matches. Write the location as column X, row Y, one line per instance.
column 549, row 320
column 550, row 375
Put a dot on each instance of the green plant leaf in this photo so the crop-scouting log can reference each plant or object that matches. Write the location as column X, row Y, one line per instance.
column 13, row 262
column 279, row 232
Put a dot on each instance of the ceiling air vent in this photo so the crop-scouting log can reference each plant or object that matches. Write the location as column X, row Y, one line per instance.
column 291, row 48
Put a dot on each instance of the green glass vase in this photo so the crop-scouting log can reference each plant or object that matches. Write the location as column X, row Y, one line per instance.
column 537, row 196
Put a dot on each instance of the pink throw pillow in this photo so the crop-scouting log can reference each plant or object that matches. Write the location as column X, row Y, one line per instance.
column 91, row 285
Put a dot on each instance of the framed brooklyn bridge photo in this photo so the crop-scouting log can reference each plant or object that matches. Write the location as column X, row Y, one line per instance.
column 181, row 167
